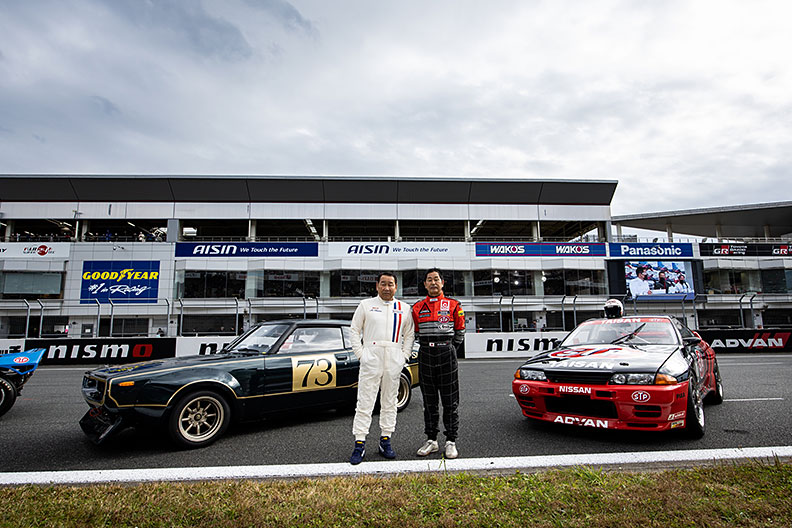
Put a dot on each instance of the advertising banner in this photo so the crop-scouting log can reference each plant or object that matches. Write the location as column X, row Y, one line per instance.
column 665, row 280
column 744, row 250
column 101, row 351
column 751, row 340
column 12, row 346
column 247, row 249
column 122, row 281
column 201, row 346
column 539, row 249
column 510, row 344
column 654, row 250
column 397, row 249
column 35, row 250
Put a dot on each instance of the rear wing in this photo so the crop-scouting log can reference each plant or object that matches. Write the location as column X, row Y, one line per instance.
column 22, row 362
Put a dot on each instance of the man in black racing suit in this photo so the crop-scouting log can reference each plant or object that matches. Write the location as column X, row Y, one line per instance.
column 440, row 329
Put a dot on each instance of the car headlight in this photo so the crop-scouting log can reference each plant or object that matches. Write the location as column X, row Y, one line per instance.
column 529, row 374
column 632, row 379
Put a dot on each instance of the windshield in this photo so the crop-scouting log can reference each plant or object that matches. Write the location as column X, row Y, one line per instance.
column 261, row 339
column 627, row 331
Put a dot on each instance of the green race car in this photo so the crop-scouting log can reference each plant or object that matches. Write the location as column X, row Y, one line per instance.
column 274, row 367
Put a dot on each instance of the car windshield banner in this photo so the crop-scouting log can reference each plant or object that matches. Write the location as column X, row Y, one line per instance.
column 397, row 249
column 120, row 281
column 247, row 249
column 539, row 249
column 655, row 250
column 744, row 250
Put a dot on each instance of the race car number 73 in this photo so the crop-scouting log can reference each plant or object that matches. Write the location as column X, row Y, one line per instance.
column 313, row 372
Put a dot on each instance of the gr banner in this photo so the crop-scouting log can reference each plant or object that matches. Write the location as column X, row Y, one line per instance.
column 98, row 351
column 752, row 340
column 510, row 344
column 744, row 250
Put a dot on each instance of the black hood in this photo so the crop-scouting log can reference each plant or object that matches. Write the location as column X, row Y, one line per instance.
column 154, row 366
column 615, row 358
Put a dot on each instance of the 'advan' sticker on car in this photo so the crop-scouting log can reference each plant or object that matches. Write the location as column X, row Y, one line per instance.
column 585, row 422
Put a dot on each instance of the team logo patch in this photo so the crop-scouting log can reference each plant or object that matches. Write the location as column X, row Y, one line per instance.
column 445, row 305
column 443, row 319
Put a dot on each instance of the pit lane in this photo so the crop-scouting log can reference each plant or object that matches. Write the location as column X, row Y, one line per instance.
column 41, row 432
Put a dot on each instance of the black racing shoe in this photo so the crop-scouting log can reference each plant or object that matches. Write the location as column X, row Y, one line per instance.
column 358, row 453
column 385, row 448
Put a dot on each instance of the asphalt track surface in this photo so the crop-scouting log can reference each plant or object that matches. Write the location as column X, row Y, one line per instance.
column 41, row 432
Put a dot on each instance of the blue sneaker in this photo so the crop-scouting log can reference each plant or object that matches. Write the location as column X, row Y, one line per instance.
column 358, row 453
column 385, row 448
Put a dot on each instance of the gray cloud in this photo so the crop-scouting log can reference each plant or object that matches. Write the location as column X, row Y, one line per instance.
column 105, row 105
column 185, row 22
column 286, row 13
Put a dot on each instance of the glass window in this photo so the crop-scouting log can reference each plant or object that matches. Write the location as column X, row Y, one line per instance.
column 348, row 342
column 262, row 338
column 413, row 283
column 353, row 283
column 313, row 339
column 28, row 285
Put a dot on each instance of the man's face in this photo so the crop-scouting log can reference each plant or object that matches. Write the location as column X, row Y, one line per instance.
column 434, row 284
column 386, row 287
column 642, row 274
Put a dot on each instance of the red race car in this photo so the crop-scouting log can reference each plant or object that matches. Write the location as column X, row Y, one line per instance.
column 647, row 373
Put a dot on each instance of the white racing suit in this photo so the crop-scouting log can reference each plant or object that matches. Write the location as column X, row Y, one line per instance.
column 382, row 339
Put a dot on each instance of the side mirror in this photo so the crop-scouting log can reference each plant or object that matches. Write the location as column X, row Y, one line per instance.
column 691, row 341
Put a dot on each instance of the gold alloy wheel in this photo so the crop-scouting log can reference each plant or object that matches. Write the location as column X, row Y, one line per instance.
column 201, row 418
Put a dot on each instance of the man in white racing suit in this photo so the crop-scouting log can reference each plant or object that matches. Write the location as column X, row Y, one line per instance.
column 382, row 339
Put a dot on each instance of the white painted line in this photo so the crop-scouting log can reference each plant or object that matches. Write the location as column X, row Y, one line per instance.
column 753, row 399
column 751, row 364
column 434, row 465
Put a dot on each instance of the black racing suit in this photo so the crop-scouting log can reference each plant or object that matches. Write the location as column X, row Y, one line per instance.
column 440, row 330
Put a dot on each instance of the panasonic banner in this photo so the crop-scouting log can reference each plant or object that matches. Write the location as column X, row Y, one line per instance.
column 120, row 281
column 247, row 249
column 539, row 249
column 663, row 251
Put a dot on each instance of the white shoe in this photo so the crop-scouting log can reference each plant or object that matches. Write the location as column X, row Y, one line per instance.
column 451, row 450
column 429, row 447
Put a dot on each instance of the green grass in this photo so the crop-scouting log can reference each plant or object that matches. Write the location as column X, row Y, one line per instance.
column 743, row 495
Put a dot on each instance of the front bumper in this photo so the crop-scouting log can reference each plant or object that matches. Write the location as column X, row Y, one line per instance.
column 99, row 425
column 622, row 407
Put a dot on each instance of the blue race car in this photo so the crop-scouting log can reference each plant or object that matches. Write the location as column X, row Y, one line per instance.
column 15, row 371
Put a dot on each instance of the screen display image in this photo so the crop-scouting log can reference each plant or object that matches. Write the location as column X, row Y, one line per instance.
column 659, row 279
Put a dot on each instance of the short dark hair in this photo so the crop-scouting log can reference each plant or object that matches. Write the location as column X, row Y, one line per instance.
column 639, row 270
column 389, row 274
column 433, row 270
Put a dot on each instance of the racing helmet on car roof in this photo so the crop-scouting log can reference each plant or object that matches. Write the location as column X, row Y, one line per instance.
column 613, row 308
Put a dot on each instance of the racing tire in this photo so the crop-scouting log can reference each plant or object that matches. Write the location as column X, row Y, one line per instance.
column 716, row 396
column 404, row 395
column 198, row 419
column 8, row 395
column 694, row 418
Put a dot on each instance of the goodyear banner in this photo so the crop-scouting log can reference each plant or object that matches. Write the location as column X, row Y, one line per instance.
column 247, row 249
column 539, row 249
column 651, row 251
column 127, row 281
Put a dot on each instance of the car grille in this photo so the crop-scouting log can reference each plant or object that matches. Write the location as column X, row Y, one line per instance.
column 93, row 389
column 577, row 376
column 581, row 406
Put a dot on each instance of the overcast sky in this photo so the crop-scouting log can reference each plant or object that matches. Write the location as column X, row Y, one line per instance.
column 686, row 103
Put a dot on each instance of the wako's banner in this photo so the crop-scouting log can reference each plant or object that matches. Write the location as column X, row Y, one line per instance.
column 397, row 249
column 35, row 250
column 123, row 281
column 653, row 251
column 247, row 249
column 539, row 249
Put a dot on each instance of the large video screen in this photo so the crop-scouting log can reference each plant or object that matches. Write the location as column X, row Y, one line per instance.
column 659, row 279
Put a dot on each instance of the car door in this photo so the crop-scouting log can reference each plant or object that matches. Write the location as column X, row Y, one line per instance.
column 308, row 367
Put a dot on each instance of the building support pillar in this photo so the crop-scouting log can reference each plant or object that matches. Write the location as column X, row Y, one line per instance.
column 669, row 232
column 251, row 230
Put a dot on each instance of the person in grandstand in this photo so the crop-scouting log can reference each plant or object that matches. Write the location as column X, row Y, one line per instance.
column 639, row 285
column 681, row 285
column 382, row 339
column 440, row 327
column 663, row 283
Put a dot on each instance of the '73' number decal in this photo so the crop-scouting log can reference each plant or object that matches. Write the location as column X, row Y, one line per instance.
column 313, row 372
